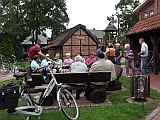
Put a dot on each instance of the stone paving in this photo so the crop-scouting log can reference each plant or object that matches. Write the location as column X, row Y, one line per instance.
column 155, row 84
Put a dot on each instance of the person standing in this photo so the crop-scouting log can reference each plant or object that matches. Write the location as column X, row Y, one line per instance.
column 117, row 54
column 129, row 59
column 143, row 54
column 110, row 53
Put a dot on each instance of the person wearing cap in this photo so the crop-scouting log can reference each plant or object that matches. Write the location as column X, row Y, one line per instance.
column 34, row 53
column 103, row 64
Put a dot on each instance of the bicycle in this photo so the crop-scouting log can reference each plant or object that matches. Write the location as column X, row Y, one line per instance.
column 66, row 102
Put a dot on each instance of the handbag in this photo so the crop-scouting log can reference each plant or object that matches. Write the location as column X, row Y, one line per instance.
column 9, row 95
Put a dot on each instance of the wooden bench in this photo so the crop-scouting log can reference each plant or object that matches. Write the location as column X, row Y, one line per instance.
column 87, row 82
column 84, row 81
column 76, row 78
column 83, row 77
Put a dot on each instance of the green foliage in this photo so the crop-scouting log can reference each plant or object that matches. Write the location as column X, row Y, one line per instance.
column 7, row 47
column 21, row 18
column 127, row 17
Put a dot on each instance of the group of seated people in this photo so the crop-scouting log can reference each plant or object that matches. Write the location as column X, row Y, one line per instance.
column 78, row 64
column 91, row 63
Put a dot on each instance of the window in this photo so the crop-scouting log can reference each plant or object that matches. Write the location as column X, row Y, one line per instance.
column 146, row 15
column 151, row 13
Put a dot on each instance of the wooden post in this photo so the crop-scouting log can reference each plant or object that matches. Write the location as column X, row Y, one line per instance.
column 154, row 39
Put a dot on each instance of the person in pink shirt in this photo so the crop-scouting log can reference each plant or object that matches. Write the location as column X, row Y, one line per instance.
column 90, row 60
column 68, row 61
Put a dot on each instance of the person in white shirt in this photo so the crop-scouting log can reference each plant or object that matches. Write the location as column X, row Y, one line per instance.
column 78, row 66
column 34, row 65
column 143, row 54
column 58, row 63
column 44, row 62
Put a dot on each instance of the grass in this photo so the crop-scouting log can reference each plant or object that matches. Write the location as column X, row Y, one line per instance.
column 119, row 110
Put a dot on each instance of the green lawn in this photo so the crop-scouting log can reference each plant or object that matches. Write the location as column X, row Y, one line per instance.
column 120, row 110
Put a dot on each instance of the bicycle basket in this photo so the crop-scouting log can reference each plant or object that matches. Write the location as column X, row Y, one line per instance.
column 9, row 95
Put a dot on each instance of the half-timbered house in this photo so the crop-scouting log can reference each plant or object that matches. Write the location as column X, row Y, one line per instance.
column 77, row 40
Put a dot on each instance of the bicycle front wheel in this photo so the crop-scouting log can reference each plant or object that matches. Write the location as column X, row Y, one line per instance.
column 67, row 104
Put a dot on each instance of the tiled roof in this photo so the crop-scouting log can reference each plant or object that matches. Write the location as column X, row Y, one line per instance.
column 146, row 25
column 61, row 39
column 139, row 7
column 110, row 28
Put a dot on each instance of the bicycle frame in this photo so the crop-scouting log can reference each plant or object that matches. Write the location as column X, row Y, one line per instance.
column 51, row 84
column 38, row 109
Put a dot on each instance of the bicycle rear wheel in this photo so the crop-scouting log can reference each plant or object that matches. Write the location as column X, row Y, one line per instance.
column 67, row 104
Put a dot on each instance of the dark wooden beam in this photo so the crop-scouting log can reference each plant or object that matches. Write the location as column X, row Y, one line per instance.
column 154, row 38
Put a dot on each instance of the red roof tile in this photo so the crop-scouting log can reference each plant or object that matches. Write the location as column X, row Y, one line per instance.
column 146, row 25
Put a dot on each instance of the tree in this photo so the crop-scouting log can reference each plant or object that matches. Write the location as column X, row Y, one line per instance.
column 20, row 18
column 26, row 16
column 42, row 14
column 12, row 23
column 126, row 15
column 58, row 17
column 7, row 46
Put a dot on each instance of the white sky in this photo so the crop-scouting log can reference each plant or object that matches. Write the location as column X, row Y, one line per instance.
column 91, row 13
